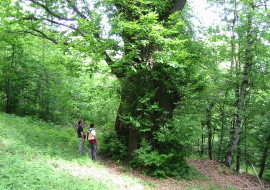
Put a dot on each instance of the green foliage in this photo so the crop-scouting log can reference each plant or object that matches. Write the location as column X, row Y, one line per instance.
column 162, row 162
column 112, row 145
column 39, row 78
column 166, row 79
column 155, row 62
column 266, row 175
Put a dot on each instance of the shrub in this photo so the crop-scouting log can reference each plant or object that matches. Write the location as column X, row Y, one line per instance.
column 162, row 162
column 113, row 146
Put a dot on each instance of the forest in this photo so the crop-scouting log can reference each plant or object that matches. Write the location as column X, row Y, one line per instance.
column 160, row 87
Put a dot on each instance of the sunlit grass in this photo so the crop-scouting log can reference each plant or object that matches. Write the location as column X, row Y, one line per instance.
column 36, row 155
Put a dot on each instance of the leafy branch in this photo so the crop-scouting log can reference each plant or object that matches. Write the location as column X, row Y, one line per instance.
column 50, row 11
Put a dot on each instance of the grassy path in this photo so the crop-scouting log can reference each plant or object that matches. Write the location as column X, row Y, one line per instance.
column 36, row 155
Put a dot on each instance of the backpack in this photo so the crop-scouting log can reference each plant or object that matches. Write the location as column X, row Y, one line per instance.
column 89, row 135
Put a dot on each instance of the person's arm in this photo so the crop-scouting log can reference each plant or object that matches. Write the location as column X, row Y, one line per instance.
column 82, row 134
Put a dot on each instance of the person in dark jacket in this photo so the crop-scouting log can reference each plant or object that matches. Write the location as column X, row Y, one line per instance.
column 81, row 136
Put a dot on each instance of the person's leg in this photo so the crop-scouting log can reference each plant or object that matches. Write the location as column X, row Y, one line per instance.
column 94, row 151
column 81, row 146
column 90, row 150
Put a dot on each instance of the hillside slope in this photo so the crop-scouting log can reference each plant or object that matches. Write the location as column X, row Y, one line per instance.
column 38, row 155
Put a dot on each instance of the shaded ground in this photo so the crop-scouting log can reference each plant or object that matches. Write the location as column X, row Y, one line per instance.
column 217, row 176
column 226, row 177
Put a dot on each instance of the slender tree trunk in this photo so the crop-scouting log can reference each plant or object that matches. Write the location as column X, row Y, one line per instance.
column 202, row 143
column 209, row 129
column 264, row 158
column 222, row 126
column 10, row 99
column 210, row 134
column 242, row 94
column 234, row 64
column 199, row 145
column 221, row 140
column 245, row 151
column 238, row 159
column 233, row 44
column 8, row 107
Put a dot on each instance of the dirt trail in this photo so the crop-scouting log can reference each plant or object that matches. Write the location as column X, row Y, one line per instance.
column 226, row 177
column 219, row 176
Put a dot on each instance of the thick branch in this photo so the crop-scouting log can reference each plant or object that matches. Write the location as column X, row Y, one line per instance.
column 61, row 24
column 31, row 17
column 76, row 9
column 107, row 57
column 43, row 35
column 178, row 5
column 114, row 70
column 265, row 7
column 50, row 11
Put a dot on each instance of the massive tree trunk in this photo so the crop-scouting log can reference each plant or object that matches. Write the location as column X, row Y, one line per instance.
column 144, row 109
column 148, row 98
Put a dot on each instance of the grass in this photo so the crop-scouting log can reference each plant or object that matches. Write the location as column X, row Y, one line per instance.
column 38, row 155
